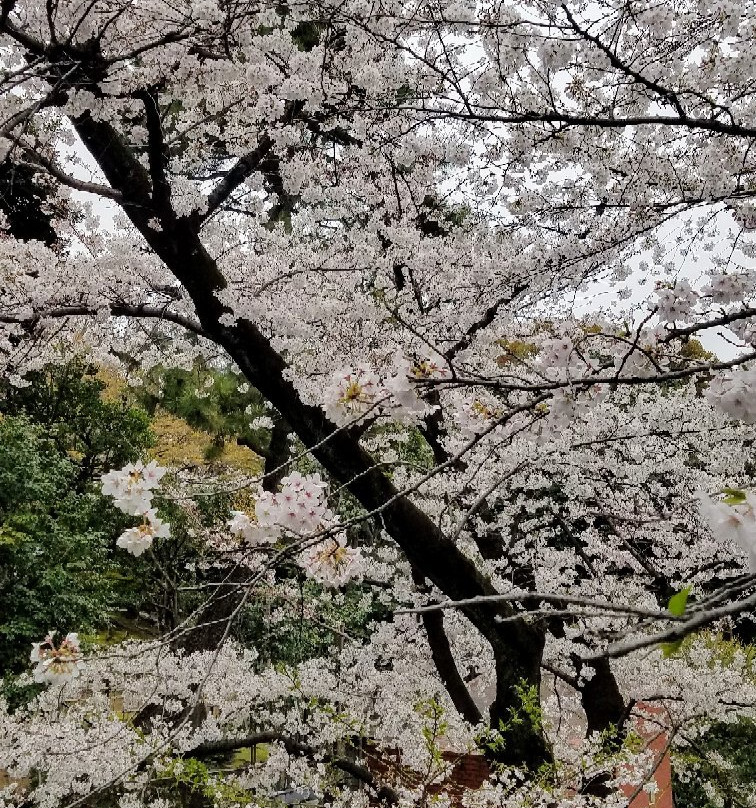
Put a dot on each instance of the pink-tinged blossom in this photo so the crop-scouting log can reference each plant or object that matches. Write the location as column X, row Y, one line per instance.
column 556, row 356
column 131, row 487
column 728, row 287
column 299, row 507
column 152, row 474
column 733, row 393
column 332, row 563
column 405, row 405
column 745, row 330
column 250, row 531
column 677, row 303
column 136, row 540
column 732, row 522
column 267, row 509
column 352, row 393
column 466, row 235
column 56, row 664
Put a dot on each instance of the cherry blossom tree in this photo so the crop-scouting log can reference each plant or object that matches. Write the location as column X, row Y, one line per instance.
column 382, row 215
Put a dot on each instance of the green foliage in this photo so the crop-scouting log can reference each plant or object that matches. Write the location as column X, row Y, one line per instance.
column 734, row 496
column 718, row 767
column 415, row 450
column 515, row 351
column 54, row 543
column 17, row 693
column 723, row 651
column 312, row 623
column 676, row 607
column 59, row 567
column 434, row 727
column 692, row 349
column 408, row 443
column 214, row 401
column 306, row 35
column 678, row 602
column 527, row 713
column 67, row 400
column 187, row 776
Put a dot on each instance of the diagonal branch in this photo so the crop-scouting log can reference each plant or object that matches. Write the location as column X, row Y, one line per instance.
column 725, row 319
column 517, row 644
column 667, row 95
column 489, row 315
column 24, row 39
column 119, row 165
column 21, row 116
column 443, row 658
column 243, row 168
column 37, row 162
column 678, row 631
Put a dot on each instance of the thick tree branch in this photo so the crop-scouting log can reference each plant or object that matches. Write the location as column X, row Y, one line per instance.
column 20, row 117
column 31, row 44
column 39, row 163
column 490, row 115
column 443, row 658
column 384, row 792
column 156, row 151
column 517, row 644
column 725, row 319
column 243, row 168
column 121, row 168
column 116, row 309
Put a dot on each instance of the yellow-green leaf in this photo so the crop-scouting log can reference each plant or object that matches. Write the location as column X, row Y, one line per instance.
column 671, row 648
column 734, row 496
column 678, row 602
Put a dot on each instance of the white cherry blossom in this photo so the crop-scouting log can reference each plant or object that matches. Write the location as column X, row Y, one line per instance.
column 332, row 562
column 56, row 664
column 352, row 393
column 136, row 540
column 734, row 522
column 131, row 487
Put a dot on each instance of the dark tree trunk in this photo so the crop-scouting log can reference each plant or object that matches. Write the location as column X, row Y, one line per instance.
column 601, row 698
column 443, row 659
column 518, row 643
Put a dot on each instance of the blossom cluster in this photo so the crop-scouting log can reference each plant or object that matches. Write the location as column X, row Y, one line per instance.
column 132, row 488
column 358, row 391
column 733, row 393
column 300, row 509
column 331, row 562
column 734, row 520
column 676, row 303
column 56, row 664
column 136, row 540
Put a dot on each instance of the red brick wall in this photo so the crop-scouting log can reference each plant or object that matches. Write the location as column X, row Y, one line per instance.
column 471, row 770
